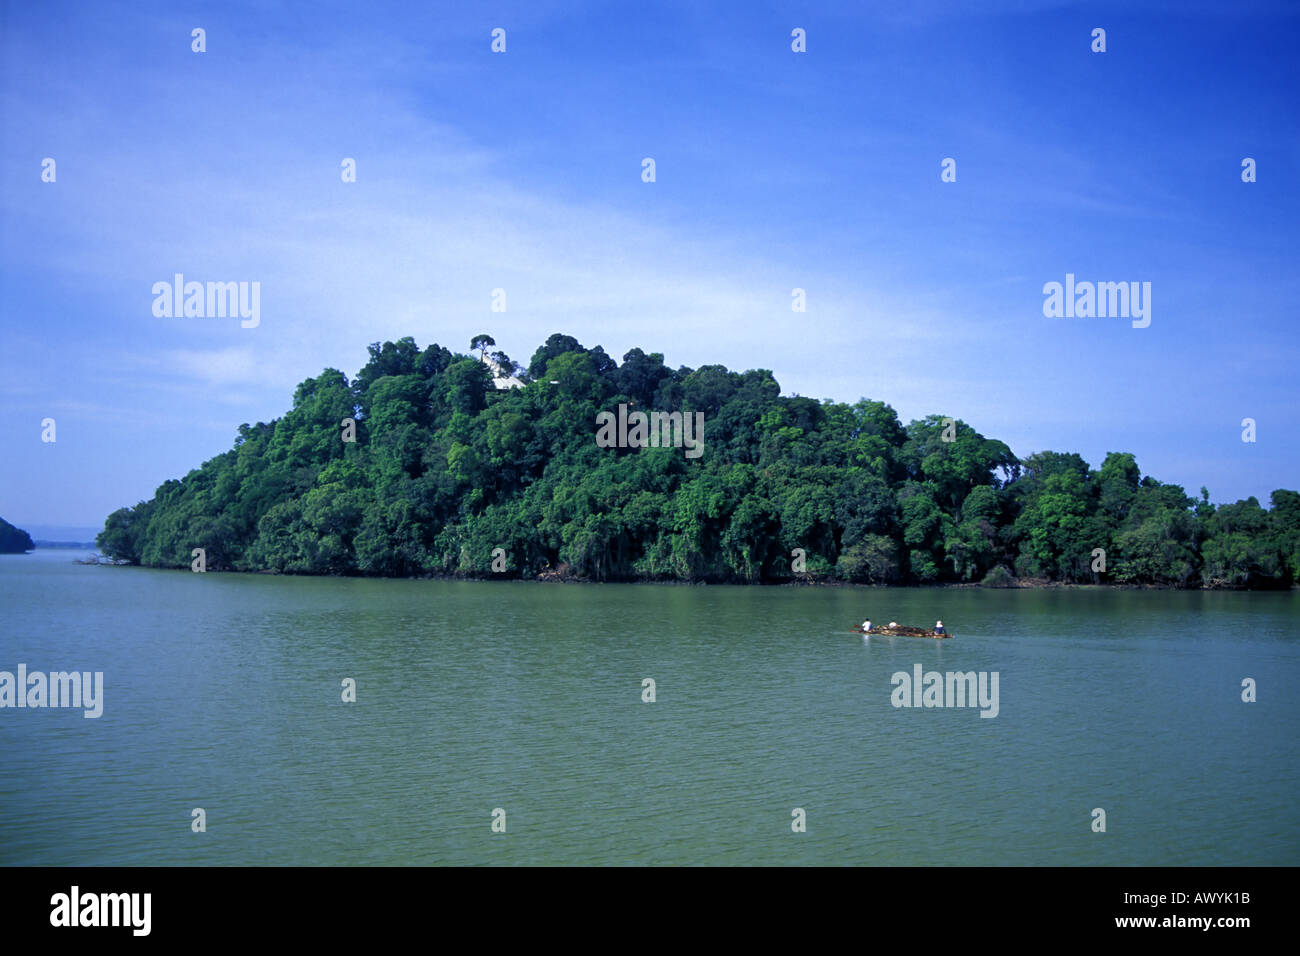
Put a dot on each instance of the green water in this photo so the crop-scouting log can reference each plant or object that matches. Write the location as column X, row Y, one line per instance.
column 224, row 692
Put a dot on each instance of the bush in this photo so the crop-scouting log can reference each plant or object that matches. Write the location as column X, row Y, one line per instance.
column 999, row 577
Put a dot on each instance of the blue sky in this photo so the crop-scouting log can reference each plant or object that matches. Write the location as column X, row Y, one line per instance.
column 775, row 170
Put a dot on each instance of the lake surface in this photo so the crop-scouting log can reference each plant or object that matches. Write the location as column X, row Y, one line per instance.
column 223, row 692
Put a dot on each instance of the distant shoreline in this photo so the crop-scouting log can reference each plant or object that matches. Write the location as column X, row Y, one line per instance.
column 1025, row 584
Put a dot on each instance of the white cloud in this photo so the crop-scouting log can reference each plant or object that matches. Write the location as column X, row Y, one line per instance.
column 229, row 366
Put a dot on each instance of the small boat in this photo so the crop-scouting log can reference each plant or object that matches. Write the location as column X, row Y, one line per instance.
column 901, row 630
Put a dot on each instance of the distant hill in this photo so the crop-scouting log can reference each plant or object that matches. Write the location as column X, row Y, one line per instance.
column 14, row 540
column 47, row 534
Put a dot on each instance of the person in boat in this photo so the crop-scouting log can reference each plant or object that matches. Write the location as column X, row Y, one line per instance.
column 938, row 627
column 866, row 627
column 893, row 624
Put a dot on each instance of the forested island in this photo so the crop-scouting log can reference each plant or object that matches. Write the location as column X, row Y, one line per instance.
column 14, row 540
column 424, row 464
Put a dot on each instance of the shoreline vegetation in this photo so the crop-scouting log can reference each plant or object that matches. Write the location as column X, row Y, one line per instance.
column 433, row 464
column 797, row 581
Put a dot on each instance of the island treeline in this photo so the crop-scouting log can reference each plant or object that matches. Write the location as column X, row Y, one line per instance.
column 14, row 540
column 446, row 468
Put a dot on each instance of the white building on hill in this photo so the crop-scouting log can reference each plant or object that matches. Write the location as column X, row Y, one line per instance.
column 500, row 377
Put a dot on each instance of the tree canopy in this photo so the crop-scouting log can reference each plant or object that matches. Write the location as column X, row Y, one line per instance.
column 443, row 469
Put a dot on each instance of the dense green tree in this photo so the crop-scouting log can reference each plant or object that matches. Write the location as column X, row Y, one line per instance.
column 953, row 458
column 555, row 346
column 1284, row 518
column 1239, row 550
column 640, row 376
column 972, row 546
column 1053, row 528
column 1117, row 485
column 925, row 526
column 445, row 469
